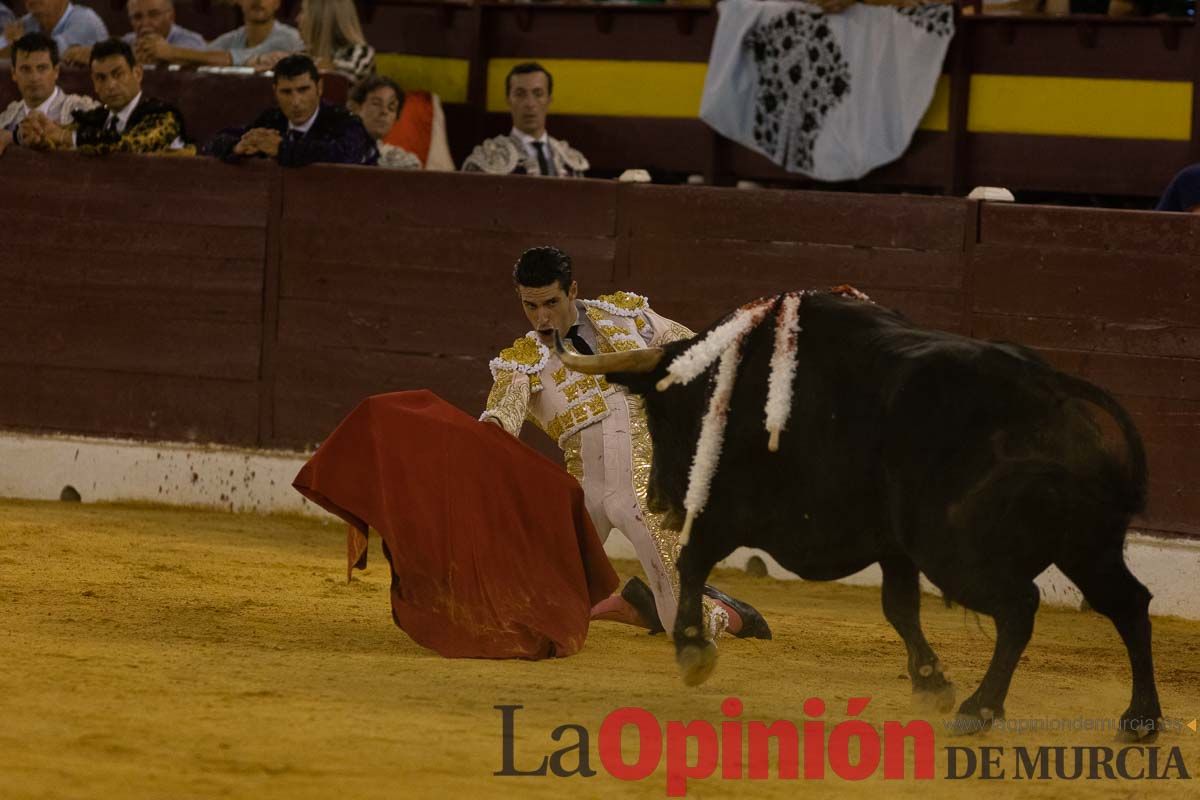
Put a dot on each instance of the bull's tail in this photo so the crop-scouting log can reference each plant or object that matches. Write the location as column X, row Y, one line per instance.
column 1129, row 486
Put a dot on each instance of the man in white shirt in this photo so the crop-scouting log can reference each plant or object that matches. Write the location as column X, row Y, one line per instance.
column 35, row 71
column 527, row 149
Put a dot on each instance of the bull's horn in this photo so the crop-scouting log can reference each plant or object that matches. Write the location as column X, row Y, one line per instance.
column 643, row 360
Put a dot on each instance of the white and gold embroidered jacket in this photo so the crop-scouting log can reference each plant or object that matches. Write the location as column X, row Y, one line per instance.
column 530, row 382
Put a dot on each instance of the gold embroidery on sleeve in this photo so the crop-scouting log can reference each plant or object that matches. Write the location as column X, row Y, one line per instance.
column 508, row 402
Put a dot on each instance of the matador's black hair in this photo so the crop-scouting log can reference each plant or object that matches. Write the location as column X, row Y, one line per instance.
column 542, row 266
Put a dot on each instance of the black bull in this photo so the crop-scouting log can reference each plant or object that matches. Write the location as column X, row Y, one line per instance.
column 974, row 463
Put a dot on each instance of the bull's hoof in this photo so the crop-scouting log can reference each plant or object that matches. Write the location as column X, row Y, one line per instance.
column 967, row 724
column 940, row 700
column 1138, row 730
column 696, row 662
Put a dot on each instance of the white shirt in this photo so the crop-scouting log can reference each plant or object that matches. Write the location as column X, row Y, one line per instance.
column 44, row 107
column 308, row 123
column 527, row 142
column 124, row 114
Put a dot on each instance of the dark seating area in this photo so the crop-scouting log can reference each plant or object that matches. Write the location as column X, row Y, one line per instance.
column 986, row 125
column 242, row 97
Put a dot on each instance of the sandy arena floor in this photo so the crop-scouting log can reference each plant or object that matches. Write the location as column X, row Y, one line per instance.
column 149, row 652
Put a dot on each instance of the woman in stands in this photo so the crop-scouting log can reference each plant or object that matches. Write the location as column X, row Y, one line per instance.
column 333, row 38
column 377, row 102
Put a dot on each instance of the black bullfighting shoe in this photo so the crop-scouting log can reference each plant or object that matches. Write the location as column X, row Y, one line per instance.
column 638, row 595
column 753, row 624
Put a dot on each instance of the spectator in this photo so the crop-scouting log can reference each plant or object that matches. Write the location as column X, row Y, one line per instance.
column 261, row 34
column 157, row 17
column 6, row 16
column 303, row 129
column 35, row 71
column 333, row 38
column 377, row 102
column 128, row 122
column 1183, row 193
column 527, row 149
column 74, row 28
column 421, row 130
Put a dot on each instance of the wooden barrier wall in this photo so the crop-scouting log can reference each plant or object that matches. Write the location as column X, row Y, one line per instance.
column 181, row 299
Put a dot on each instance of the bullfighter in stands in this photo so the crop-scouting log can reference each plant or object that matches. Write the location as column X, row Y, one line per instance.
column 527, row 149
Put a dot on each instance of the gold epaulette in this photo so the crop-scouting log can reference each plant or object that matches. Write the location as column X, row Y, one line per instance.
column 622, row 304
column 526, row 355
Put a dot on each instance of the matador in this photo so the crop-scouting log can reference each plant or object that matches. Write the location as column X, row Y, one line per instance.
column 601, row 430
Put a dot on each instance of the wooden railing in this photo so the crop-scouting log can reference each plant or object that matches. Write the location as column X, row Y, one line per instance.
column 190, row 300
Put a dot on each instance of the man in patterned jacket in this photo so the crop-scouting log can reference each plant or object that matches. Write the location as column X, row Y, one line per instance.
column 527, row 149
column 127, row 122
column 601, row 430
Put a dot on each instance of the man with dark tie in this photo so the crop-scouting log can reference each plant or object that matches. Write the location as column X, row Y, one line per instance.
column 527, row 149
column 127, row 122
column 302, row 129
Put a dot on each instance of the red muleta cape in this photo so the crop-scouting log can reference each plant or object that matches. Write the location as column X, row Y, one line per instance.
column 492, row 552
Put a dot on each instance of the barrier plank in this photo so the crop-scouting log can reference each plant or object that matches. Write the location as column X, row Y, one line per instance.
column 1077, row 283
column 919, row 223
column 783, row 265
column 448, row 200
column 1133, row 376
column 67, row 277
column 1165, row 339
column 316, row 387
column 1170, row 429
column 100, row 338
column 319, row 259
column 185, row 191
column 122, row 404
column 1141, row 232
column 135, row 239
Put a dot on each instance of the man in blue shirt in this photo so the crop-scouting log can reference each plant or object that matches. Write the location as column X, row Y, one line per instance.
column 155, row 19
column 158, row 17
column 74, row 28
column 261, row 34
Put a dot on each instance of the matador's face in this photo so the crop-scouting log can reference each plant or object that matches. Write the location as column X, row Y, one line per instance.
column 549, row 309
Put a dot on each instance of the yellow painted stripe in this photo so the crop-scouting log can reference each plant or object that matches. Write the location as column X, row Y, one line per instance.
column 612, row 88
column 1017, row 104
column 937, row 116
column 446, row 77
column 1097, row 107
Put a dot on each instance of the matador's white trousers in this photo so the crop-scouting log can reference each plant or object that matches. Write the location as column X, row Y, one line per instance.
column 615, row 457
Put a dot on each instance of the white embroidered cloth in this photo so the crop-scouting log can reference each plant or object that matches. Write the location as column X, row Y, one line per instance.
column 831, row 96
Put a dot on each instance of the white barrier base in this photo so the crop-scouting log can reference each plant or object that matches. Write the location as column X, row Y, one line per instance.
column 108, row 470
